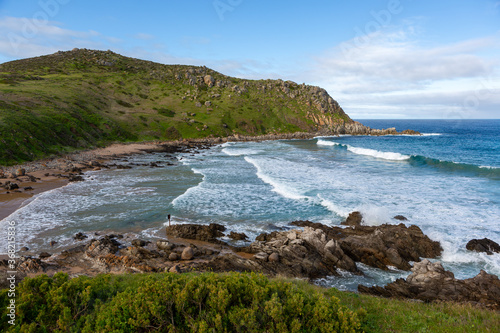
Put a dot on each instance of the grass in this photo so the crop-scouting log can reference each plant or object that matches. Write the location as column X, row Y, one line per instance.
column 68, row 100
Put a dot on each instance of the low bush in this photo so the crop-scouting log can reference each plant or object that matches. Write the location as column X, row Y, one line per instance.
column 206, row 302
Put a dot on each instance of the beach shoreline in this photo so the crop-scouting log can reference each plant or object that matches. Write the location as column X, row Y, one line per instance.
column 33, row 178
column 50, row 173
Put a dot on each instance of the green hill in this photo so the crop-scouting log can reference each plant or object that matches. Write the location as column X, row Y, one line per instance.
column 84, row 98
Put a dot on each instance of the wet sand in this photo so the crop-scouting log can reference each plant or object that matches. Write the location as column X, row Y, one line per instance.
column 44, row 172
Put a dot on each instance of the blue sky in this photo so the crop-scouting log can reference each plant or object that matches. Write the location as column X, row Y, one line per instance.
column 378, row 59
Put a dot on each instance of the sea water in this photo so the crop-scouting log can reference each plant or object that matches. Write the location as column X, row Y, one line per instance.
column 445, row 181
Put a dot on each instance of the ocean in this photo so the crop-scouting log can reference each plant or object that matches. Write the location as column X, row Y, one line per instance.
column 446, row 181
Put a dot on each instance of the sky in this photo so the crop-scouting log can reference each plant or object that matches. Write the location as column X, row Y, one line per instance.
column 393, row 59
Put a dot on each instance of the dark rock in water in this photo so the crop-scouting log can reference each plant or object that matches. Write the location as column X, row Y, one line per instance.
column 430, row 282
column 52, row 243
column 483, row 245
column 75, row 178
column 28, row 188
column 101, row 247
column 139, row 243
column 205, row 233
column 44, row 255
column 354, row 219
column 24, row 248
column 79, row 236
column 120, row 166
column 10, row 186
column 237, row 235
column 400, row 218
column 115, row 236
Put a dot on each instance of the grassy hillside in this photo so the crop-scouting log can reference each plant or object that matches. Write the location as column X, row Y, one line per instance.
column 84, row 98
column 231, row 302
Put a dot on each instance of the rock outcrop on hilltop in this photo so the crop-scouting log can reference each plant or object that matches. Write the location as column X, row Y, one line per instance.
column 431, row 282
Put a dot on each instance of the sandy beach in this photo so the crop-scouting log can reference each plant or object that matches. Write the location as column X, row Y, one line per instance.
column 48, row 174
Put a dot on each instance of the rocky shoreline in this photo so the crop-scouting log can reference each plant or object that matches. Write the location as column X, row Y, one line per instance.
column 303, row 250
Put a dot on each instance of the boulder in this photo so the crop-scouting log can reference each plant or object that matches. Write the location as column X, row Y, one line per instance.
column 205, row 233
column 175, row 269
column 431, row 282
column 75, row 178
column 187, row 253
column 31, row 265
column 101, row 247
column 9, row 186
column 400, row 218
column 80, row 236
column 164, row 245
column 237, row 235
column 173, row 256
column 209, row 80
column 354, row 219
column 44, row 255
column 139, row 243
column 20, row 172
column 274, row 257
column 483, row 245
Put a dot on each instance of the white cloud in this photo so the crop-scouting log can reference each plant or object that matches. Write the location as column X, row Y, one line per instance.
column 23, row 37
column 390, row 72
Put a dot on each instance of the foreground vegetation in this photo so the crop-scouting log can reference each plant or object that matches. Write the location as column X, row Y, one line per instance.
column 85, row 98
column 175, row 303
column 232, row 302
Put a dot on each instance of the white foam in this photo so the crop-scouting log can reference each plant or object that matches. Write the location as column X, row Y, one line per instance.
column 378, row 154
column 240, row 151
column 333, row 207
column 367, row 152
column 278, row 187
column 374, row 215
column 488, row 167
column 431, row 134
column 327, row 143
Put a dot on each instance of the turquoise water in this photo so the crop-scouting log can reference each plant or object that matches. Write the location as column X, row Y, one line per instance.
column 446, row 182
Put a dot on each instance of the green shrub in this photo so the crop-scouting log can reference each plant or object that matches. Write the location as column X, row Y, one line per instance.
column 169, row 302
